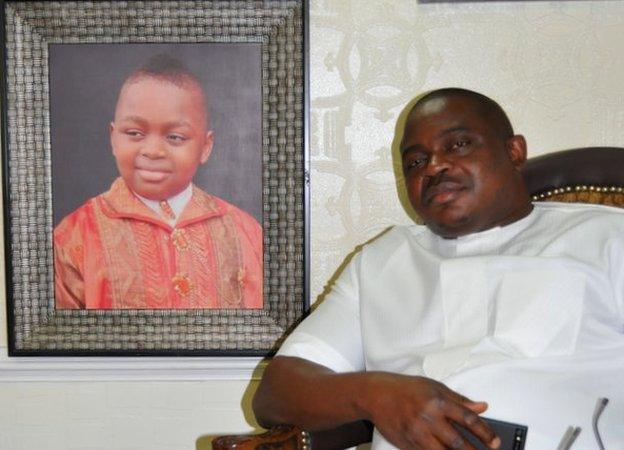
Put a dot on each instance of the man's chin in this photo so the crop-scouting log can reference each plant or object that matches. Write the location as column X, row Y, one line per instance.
column 451, row 225
column 446, row 198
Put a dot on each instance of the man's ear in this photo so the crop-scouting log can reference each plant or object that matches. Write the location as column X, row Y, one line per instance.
column 207, row 148
column 517, row 150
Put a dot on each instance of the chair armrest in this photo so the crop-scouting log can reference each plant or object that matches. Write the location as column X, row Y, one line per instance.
column 280, row 437
column 286, row 437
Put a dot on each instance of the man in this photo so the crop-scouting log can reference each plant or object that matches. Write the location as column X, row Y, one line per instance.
column 495, row 300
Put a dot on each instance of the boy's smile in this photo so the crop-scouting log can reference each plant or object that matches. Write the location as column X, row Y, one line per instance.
column 159, row 135
column 151, row 171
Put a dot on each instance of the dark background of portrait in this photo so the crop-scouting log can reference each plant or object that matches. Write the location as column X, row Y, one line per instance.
column 84, row 83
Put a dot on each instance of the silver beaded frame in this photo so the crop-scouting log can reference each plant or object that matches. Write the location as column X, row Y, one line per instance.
column 35, row 326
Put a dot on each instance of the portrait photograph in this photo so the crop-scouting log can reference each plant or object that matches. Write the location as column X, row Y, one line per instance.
column 156, row 154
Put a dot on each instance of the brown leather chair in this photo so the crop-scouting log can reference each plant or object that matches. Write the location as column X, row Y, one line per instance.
column 585, row 175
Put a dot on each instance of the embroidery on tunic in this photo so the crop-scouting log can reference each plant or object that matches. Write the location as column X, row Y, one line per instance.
column 198, row 262
column 121, row 256
column 180, row 240
column 198, row 265
column 224, row 242
column 182, row 284
column 154, row 264
column 229, row 259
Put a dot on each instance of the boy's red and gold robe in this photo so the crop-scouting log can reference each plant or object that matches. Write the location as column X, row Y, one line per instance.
column 115, row 253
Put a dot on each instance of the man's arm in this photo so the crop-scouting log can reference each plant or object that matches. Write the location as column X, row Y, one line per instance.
column 410, row 412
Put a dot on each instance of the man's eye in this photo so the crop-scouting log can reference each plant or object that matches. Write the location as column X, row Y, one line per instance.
column 460, row 144
column 416, row 163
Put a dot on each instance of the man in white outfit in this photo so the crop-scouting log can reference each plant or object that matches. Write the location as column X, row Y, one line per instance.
column 495, row 304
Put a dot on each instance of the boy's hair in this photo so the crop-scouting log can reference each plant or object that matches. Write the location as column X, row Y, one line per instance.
column 167, row 68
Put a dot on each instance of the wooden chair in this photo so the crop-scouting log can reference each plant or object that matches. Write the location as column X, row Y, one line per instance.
column 584, row 175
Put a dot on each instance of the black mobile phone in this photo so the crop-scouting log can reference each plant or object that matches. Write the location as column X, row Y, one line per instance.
column 512, row 435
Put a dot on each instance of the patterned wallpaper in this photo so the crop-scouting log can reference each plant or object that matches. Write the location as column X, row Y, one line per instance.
column 556, row 67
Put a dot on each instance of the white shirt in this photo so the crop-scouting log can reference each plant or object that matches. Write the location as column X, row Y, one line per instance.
column 528, row 317
column 177, row 203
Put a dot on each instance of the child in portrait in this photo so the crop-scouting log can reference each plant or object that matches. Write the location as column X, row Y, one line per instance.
column 155, row 240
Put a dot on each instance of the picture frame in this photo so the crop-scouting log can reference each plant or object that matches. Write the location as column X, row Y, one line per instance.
column 35, row 326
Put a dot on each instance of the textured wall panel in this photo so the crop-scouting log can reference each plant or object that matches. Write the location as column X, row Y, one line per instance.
column 556, row 67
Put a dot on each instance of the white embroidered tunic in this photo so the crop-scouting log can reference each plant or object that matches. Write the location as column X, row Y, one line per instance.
column 528, row 317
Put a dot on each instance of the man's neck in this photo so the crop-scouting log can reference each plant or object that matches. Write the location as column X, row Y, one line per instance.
column 513, row 216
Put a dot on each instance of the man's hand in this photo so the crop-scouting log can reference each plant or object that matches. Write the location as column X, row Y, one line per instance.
column 410, row 412
column 417, row 413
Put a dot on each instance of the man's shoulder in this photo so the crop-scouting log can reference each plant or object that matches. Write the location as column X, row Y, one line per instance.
column 389, row 240
column 577, row 208
column 597, row 221
column 579, row 211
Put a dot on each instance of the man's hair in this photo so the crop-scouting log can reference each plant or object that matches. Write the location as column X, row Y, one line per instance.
column 485, row 107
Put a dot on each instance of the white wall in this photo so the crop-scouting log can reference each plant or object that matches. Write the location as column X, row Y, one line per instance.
column 118, row 415
column 556, row 67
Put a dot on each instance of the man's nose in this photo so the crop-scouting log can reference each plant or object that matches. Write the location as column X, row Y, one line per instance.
column 154, row 148
column 438, row 162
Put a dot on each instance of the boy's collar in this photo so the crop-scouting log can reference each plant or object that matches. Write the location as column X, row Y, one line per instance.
column 120, row 202
column 177, row 203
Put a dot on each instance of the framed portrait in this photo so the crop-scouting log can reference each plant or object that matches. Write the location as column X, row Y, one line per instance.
column 155, row 176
